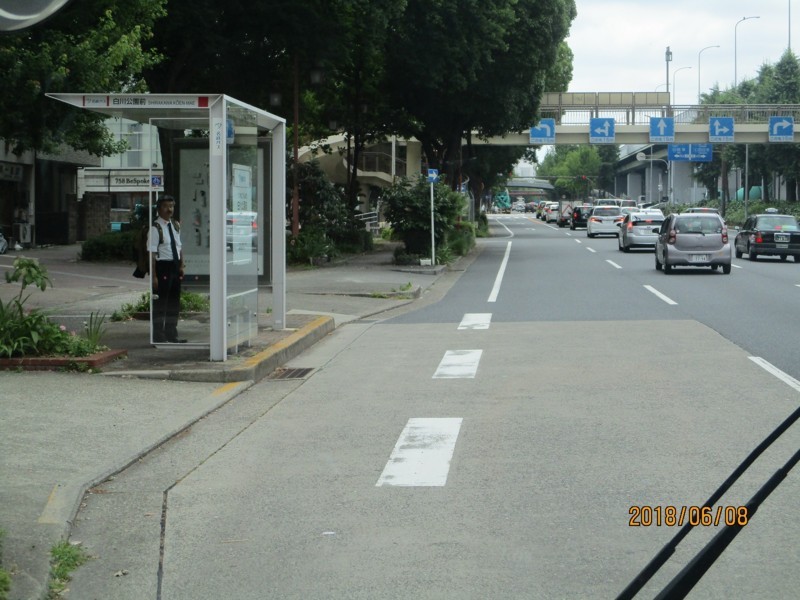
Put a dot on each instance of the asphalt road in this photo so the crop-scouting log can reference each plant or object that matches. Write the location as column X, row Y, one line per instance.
column 498, row 442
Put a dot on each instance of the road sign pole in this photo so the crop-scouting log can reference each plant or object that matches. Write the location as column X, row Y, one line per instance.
column 433, row 234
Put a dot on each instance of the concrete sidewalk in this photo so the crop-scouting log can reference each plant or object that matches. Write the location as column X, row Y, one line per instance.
column 62, row 433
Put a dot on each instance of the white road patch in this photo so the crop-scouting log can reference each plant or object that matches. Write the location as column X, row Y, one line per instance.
column 499, row 279
column 458, row 364
column 422, row 454
column 476, row 321
column 770, row 368
column 613, row 264
column 592, row 250
column 666, row 299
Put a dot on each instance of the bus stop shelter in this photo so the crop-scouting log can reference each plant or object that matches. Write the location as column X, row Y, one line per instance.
column 225, row 164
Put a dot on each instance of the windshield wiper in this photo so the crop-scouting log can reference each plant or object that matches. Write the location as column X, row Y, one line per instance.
column 700, row 564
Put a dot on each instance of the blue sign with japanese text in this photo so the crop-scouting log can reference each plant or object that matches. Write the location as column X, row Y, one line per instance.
column 781, row 129
column 602, row 130
column 720, row 129
column 544, row 132
column 662, row 129
column 690, row 152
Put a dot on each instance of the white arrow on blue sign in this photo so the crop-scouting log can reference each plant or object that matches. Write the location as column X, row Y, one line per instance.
column 662, row 129
column 433, row 175
column 781, row 129
column 720, row 129
column 690, row 152
column 544, row 132
column 602, row 130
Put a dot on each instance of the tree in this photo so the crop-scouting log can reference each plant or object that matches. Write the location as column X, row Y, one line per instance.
column 90, row 46
column 478, row 66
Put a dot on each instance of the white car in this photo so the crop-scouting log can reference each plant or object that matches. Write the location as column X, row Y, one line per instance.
column 604, row 220
column 551, row 212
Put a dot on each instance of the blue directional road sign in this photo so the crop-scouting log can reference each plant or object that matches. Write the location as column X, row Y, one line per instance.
column 155, row 181
column 720, row 129
column 602, row 130
column 781, row 129
column 544, row 132
column 662, row 129
column 690, row 152
column 433, row 175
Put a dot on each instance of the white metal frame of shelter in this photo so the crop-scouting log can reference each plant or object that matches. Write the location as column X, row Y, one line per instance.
column 225, row 119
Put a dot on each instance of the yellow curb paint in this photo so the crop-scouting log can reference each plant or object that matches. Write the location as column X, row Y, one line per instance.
column 284, row 343
column 50, row 513
column 226, row 388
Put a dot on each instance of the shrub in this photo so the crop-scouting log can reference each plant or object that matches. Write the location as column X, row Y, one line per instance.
column 30, row 332
column 190, row 302
column 109, row 246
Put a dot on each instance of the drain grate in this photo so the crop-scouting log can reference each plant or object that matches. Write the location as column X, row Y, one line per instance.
column 296, row 373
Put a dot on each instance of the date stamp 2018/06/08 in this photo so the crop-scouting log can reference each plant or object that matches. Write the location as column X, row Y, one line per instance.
column 671, row 516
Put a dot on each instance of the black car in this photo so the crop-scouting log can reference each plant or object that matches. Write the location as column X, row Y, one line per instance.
column 769, row 234
column 580, row 214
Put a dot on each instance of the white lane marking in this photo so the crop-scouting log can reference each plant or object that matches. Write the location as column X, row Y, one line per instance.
column 580, row 242
column 613, row 264
column 499, row 279
column 422, row 454
column 510, row 233
column 736, row 266
column 592, row 250
column 666, row 299
column 458, row 364
column 770, row 368
column 476, row 321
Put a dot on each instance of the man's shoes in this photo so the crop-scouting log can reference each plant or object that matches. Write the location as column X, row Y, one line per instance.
column 176, row 341
column 159, row 338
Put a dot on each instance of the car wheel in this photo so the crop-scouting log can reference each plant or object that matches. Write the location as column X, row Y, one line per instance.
column 714, row 267
column 726, row 269
column 591, row 235
column 572, row 227
column 658, row 264
column 784, row 257
column 667, row 266
column 750, row 254
column 738, row 252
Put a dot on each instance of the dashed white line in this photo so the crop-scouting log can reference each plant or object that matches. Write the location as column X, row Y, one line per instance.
column 458, row 364
column 770, row 368
column 422, row 454
column 613, row 264
column 499, row 279
column 592, row 250
column 580, row 242
column 666, row 299
column 476, row 321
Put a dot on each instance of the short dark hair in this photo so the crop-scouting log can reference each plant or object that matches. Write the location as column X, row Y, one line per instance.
column 164, row 198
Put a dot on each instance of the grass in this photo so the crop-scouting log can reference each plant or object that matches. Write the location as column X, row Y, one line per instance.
column 65, row 558
column 5, row 577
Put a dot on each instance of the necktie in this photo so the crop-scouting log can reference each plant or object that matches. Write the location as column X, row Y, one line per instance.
column 175, row 258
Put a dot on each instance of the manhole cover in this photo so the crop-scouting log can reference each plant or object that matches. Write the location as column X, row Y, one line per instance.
column 296, row 373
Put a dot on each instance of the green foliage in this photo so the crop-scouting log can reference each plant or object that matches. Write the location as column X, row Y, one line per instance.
column 190, row 302
column 64, row 559
column 94, row 45
column 312, row 243
column 408, row 209
column 461, row 239
column 5, row 578
column 109, row 246
column 95, row 328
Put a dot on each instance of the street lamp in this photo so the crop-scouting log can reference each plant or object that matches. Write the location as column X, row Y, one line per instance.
column 698, row 69
column 668, row 58
column 641, row 156
column 735, row 79
column 674, row 89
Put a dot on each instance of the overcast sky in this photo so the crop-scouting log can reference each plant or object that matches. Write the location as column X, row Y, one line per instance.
column 620, row 45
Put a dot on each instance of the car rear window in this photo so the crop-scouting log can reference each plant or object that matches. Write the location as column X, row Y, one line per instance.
column 647, row 220
column 607, row 211
column 698, row 223
column 786, row 223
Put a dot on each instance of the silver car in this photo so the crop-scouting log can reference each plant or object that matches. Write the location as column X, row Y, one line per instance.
column 639, row 230
column 693, row 240
column 604, row 220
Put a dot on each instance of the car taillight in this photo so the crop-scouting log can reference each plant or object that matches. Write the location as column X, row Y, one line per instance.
column 724, row 235
column 596, row 220
column 630, row 225
column 255, row 225
column 672, row 236
column 758, row 238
